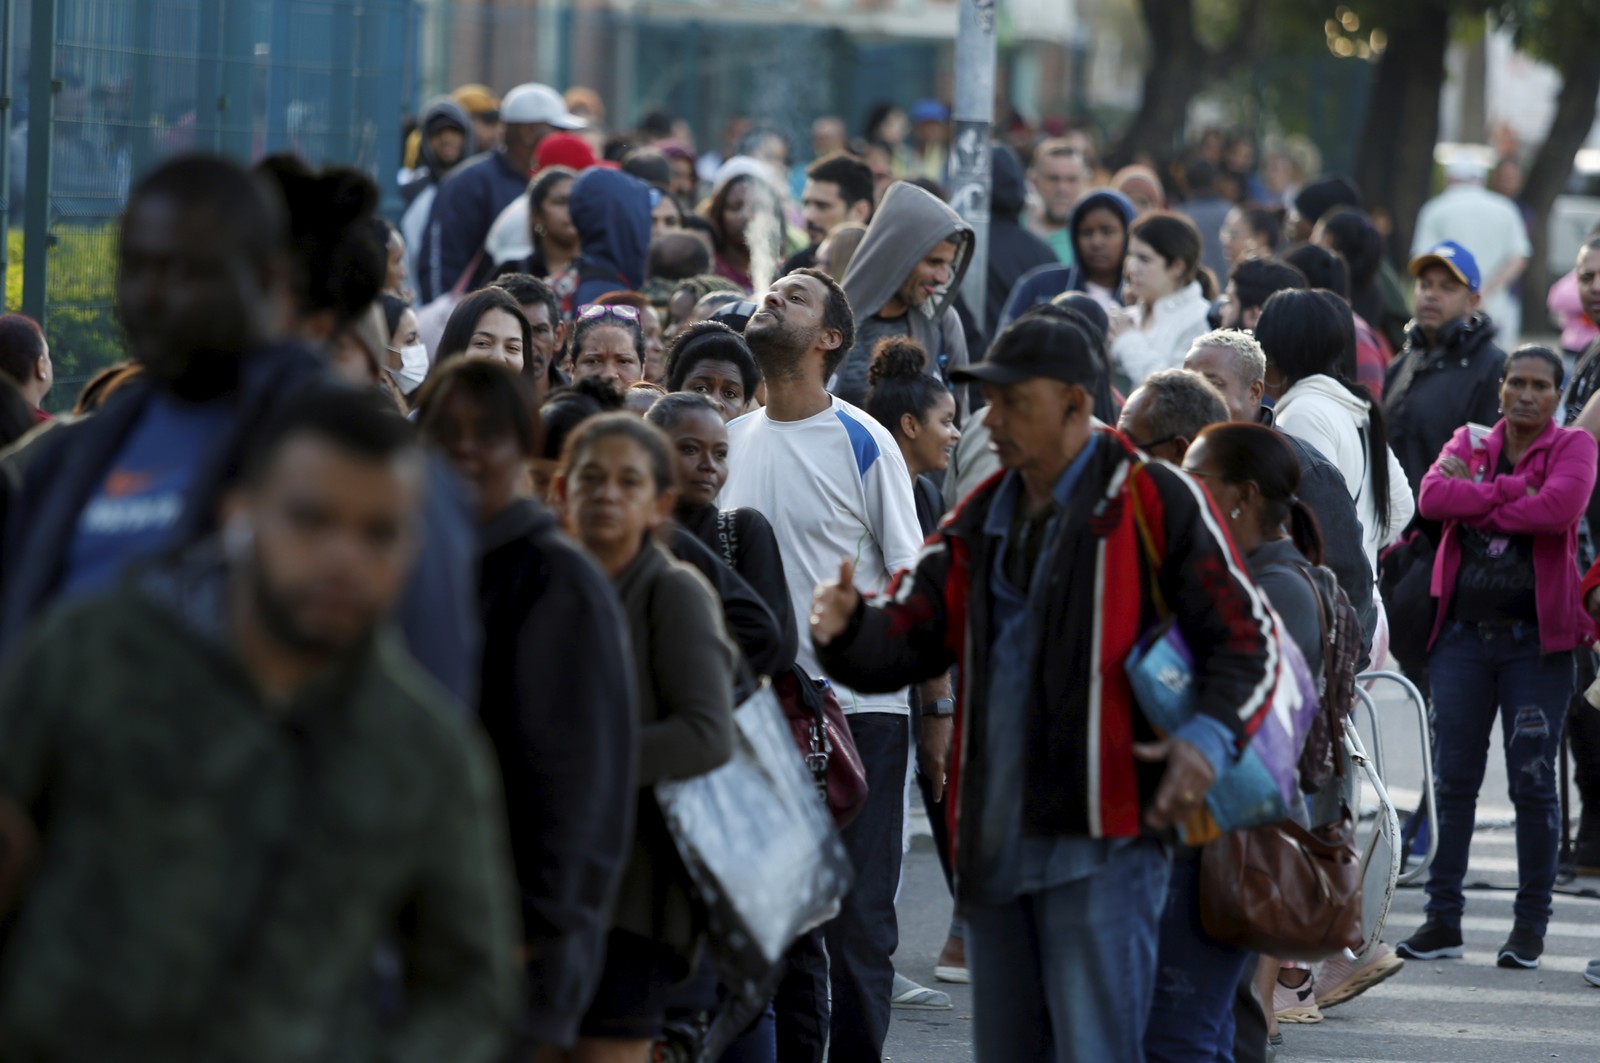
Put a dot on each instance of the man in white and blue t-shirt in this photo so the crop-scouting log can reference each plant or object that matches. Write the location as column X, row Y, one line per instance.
column 834, row 486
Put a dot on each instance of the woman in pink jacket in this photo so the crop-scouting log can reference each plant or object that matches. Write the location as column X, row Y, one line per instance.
column 1509, row 617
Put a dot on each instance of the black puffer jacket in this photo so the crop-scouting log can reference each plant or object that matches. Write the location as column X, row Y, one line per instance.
column 1432, row 390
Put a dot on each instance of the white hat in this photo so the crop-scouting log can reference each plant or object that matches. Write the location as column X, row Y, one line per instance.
column 1466, row 166
column 535, row 104
column 743, row 166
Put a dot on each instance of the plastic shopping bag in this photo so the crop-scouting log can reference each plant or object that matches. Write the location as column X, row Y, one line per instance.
column 760, row 848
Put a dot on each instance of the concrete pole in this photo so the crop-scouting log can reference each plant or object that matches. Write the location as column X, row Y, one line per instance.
column 970, row 157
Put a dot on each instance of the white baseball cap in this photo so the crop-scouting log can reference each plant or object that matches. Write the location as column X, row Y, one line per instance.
column 536, row 104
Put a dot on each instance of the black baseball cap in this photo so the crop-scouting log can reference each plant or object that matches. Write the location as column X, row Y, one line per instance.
column 1046, row 342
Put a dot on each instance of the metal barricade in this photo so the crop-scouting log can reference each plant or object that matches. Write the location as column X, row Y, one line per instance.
column 1420, row 705
column 1382, row 856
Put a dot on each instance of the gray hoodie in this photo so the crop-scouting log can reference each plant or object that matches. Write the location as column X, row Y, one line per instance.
column 908, row 224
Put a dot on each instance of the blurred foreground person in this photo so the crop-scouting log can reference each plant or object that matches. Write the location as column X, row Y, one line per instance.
column 222, row 313
column 253, row 787
column 1063, row 796
column 25, row 358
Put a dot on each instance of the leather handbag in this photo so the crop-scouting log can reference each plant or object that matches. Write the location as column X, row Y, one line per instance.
column 823, row 735
column 1284, row 891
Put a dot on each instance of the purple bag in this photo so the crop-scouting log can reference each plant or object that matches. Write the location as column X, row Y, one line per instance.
column 1263, row 784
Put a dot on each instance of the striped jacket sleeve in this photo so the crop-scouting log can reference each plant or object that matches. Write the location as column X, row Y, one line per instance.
column 910, row 636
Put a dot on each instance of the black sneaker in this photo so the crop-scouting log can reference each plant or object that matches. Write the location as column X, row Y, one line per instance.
column 1522, row 949
column 1435, row 941
column 1586, row 853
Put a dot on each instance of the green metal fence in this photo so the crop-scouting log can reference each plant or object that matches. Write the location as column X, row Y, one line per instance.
column 104, row 89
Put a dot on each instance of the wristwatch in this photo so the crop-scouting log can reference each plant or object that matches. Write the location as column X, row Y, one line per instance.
column 942, row 707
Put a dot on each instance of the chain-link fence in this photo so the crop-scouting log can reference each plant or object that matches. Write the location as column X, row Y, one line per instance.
column 132, row 81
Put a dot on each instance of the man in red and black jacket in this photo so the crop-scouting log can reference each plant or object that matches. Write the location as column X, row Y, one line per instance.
column 1038, row 587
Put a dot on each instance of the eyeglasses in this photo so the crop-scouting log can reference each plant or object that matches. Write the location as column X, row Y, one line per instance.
column 594, row 311
column 1153, row 444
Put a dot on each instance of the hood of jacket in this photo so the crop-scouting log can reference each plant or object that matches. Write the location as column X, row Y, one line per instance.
column 1100, row 200
column 522, row 518
column 1462, row 336
column 611, row 211
column 1009, row 192
column 1324, row 388
column 443, row 111
column 908, row 224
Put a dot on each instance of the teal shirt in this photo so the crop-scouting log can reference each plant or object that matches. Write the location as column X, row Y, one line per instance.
column 1060, row 242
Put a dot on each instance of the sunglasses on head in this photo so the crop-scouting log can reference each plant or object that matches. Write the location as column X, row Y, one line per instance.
column 595, row 310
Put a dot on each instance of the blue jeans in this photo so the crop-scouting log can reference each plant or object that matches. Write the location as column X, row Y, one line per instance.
column 1477, row 671
column 1191, row 1019
column 1066, row 975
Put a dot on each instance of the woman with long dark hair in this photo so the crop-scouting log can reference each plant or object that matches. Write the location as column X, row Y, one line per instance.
column 1308, row 337
column 487, row 324
column 1166, row 297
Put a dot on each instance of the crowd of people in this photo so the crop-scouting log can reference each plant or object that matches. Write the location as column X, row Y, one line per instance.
column 349, row 627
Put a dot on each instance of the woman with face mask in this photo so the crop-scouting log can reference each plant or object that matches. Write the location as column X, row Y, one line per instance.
column 406, row 356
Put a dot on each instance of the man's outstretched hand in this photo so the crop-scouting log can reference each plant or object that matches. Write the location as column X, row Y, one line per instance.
column 833, row 605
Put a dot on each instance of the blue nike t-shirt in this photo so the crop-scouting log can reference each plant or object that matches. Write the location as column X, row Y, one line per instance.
column 134, row 511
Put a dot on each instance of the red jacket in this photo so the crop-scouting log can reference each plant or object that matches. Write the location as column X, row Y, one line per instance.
column 1081, row 776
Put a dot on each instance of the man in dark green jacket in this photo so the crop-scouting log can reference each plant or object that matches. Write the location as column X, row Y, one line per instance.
column 224, row 784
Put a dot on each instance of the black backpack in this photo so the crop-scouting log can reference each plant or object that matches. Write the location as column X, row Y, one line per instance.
column 1341, row 657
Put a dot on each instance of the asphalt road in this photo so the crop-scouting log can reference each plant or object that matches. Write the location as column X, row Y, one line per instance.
column 1449, row 1011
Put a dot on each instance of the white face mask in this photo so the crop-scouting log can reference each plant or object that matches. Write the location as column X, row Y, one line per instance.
column 413, row 368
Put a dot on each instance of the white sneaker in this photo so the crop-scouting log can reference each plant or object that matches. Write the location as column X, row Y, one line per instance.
column 909, row 995
column 1297, row 1004
column 1339, row 979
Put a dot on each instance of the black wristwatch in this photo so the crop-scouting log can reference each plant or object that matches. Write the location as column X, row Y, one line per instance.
column 942, row 707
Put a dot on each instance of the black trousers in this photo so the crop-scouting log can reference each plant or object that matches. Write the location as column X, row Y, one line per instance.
column 861, row 940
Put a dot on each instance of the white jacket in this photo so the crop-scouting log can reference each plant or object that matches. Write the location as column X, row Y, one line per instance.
column 1322, row 412
column 1180, row 319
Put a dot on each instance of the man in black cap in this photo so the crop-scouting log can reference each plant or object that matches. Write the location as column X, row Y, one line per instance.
column 1063, row 792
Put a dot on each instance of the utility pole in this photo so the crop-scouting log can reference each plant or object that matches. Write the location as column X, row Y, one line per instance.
column 970, row 156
